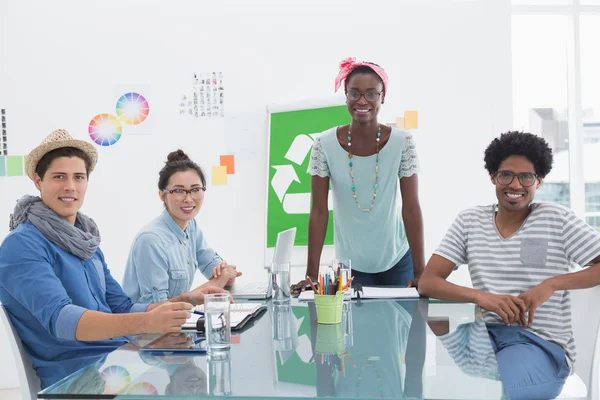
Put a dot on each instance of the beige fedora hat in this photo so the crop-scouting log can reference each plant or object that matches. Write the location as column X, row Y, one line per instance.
column 57, row 139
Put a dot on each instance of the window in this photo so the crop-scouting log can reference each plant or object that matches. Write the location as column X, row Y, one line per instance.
column 539, row 73
column 562, row 95
column 590, row 99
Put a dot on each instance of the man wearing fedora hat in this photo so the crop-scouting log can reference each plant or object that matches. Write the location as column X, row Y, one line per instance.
column 54, row 281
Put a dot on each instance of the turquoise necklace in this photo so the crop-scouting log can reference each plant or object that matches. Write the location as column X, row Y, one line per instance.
column 377, row 139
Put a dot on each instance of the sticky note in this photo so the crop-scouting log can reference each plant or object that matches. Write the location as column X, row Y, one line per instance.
column 14, row 165
column 2, row 166
column 235, row 339
column 219, row 175
column 228, row 161
column 400, row 122
column 411, row 120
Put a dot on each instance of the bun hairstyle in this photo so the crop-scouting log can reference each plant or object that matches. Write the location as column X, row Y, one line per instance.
column 177, row 161
column 177, row 155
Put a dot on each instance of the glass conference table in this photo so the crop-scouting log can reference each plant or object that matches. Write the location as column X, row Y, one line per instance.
column 389, row 349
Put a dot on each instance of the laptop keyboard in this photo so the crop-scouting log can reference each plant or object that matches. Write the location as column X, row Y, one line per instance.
column 252, row 287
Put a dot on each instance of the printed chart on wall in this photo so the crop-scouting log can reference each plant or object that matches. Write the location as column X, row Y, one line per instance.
column 11, row 165
column 291, row 136
column 128, row 115
column 205, row 97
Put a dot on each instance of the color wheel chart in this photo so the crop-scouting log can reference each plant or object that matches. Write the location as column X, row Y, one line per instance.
column 132, row 108
column 117, row 379
column 105, row 129
column 143, row 388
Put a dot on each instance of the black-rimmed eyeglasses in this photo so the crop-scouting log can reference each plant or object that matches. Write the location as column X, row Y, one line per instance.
column 371, row 95
column 181, row 194
column 526, row 179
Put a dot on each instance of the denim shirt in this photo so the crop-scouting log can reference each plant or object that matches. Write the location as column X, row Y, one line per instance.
column 46, row 290
column 163, row 260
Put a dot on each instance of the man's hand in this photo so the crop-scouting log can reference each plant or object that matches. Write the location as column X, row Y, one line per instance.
column 167, row 317
column 510, row 308
column 224, row 269
column 535, row 297
column 196, row 296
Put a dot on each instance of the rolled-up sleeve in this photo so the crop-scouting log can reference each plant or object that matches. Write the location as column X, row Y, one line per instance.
column 67, row 320
column 27, row 275
column 149, row 258
column 138, row 307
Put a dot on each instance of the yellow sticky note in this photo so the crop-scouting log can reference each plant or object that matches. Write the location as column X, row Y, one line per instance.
column 219, row 175
column 411, row 120
column 400, row 122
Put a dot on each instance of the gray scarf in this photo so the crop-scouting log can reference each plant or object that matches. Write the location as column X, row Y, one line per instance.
column 81, row 241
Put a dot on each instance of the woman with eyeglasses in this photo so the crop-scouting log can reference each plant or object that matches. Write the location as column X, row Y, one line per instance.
column 165, row 254
column 372, row 169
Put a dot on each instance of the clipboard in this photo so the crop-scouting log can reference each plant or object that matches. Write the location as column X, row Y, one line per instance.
column 240, row 314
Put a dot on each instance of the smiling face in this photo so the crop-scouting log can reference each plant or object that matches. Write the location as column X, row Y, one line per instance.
column 183, row 206
column 364, row 109
column 514, row 196
column 63, row 186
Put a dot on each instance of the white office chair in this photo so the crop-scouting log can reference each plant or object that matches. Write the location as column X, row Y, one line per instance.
column 584, row 383
column 586, row 323
column 30, row 383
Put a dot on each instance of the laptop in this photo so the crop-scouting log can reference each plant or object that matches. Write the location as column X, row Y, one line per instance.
column 260, row 290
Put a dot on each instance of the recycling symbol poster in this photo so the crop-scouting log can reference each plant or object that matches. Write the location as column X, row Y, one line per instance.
column 291, row 136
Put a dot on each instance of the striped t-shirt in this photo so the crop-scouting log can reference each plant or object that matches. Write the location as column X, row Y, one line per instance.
column 548, row 243
column 471, row 349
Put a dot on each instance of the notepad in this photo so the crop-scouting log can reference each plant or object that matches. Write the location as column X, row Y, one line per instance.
column 240, row 313
column 373, row 293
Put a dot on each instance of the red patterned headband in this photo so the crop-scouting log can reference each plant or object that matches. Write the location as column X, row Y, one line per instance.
column 349, row 64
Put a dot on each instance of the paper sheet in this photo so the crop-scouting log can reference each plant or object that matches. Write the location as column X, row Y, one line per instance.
column 411, row 120
column 228, row 162
column 373, row 293
column 219, row 175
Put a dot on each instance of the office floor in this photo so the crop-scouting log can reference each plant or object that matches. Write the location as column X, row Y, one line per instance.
column 10, row 394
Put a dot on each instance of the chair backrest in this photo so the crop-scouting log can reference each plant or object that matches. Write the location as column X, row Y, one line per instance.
column 30, row 383
column 284, row 246
column 586, row 324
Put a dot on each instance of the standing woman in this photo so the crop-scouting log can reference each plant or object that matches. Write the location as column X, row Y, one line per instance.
column 372, row 169
column 165, row 254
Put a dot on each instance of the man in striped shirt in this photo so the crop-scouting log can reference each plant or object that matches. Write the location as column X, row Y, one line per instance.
column 521, row 257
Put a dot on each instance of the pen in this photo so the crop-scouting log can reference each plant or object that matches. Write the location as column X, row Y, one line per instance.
column 350, row 359
column 348, row 283
column 198, row 312
column 321, row 286
column 312, row 285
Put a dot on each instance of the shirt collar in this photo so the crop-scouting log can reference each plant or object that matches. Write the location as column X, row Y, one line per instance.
column 173, row 227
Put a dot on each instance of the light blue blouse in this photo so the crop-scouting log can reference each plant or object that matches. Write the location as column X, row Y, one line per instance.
column 374, row 241
column 163, row 260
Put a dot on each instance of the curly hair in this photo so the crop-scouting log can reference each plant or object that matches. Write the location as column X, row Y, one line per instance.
column 514, row 143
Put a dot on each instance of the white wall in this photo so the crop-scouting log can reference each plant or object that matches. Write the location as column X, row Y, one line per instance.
column 60, row 63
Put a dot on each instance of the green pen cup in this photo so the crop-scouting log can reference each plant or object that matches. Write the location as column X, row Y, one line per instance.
column 330, row 339
column 329, row 308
